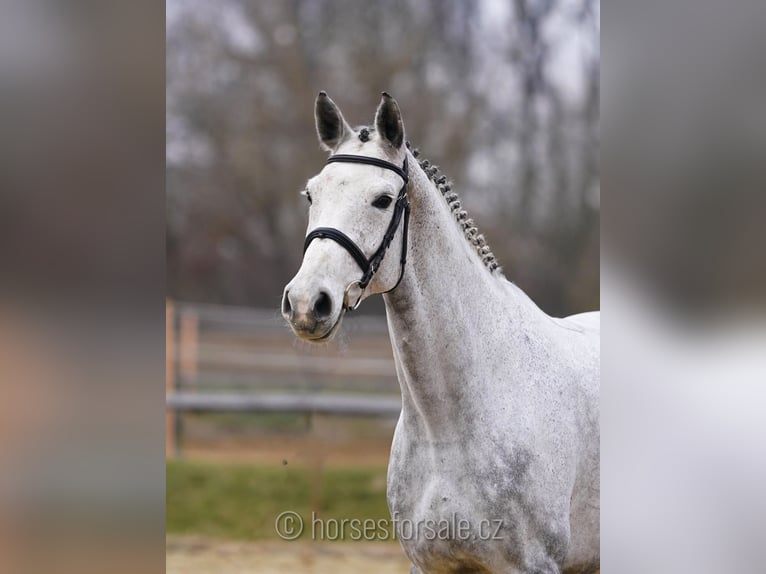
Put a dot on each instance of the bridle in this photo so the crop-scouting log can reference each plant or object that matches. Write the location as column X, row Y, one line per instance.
column 370, row 266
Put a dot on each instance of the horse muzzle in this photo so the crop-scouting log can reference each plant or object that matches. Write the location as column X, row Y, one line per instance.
column 312, row 316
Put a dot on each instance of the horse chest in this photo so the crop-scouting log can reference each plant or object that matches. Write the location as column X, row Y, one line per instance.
column 460, row 504
column 432, row 490
column 434, row 521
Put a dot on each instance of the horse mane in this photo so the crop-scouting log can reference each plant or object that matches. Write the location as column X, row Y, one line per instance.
column 467, row 224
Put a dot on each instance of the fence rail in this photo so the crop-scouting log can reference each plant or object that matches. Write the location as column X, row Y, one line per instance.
column 305, row 403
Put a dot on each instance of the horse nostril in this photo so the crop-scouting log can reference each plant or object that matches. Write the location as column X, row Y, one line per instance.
column 287, row 309
column 322, row 306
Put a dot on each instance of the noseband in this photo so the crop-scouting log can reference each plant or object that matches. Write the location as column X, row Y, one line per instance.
column 370, row 266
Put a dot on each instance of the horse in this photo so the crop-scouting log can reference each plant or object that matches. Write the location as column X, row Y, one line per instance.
column 494, row 463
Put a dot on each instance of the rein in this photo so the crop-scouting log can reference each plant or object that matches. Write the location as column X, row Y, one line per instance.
column 370, row 266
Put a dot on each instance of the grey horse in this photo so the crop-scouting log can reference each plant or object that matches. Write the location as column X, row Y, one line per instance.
column 495, row 459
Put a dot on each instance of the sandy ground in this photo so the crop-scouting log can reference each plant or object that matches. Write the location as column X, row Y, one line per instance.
column 197, row 555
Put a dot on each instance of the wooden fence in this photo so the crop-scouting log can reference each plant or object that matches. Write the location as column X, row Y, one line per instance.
column 230, row 359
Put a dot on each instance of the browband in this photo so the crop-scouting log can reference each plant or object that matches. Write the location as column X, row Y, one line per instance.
column 400, row 171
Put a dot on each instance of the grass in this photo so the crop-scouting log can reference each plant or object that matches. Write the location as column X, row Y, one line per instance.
column 242, row 501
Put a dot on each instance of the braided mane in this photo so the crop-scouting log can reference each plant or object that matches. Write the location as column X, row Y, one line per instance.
column 461, row 217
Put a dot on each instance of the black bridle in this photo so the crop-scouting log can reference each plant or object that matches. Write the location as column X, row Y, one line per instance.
column 370, row 266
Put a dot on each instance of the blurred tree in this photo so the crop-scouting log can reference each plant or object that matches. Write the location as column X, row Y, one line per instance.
column 505, row 97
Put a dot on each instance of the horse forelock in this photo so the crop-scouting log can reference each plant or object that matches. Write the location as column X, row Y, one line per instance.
column 364, row 133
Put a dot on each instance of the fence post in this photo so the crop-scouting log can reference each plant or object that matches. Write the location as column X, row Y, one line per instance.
column 189, row 342
column 170, row 378
column 188, row 360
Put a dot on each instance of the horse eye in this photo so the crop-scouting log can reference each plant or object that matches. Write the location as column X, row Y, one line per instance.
column 306, row 193
column 382, row 202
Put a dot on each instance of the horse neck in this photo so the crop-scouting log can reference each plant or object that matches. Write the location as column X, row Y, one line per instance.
column 445, row 295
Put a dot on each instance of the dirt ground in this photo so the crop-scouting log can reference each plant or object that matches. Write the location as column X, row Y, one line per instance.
column 196, row 555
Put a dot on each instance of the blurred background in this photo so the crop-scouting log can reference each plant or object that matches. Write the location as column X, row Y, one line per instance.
column 504, row 96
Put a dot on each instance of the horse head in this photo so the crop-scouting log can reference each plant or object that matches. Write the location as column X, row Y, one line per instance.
column 358, row 210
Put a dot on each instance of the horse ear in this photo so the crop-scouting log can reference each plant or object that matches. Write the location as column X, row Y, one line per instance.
column 332, row 129
column 388, row 121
